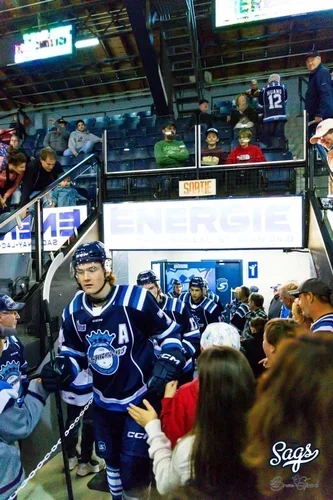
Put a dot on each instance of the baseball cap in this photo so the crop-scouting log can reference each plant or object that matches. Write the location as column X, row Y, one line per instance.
column 312, row 53
column 213, row 131
column 322, row 129
column 275, row 287
column 8, row 304
column 202, row 101
column 62, row 120
column 313, row 285
column 220, row 334
column 253, row 289
column 169, row 124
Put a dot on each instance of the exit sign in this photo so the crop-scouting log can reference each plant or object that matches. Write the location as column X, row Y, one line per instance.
column 204, row 187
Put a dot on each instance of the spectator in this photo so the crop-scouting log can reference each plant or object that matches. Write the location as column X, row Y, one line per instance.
column 316, row 302
column 275, row 331
column 3, row 154
column 19, row 124
column 275, row 305
column 245, row 152
column 244, row 116
column 323, row 138
column 10, row 178
column 319, row 94
column 254, row 91
column 179, row 408
column 39, row 175
column 253, row 346
column 294, row 405
column 212, row 155
column 303, row 322
column 201, row 116
column 287, row 298
column 239, row 318
column 57, row 139
column 15, row 146
column 235, row 303
column 65, row 195
column 273, row 100
column 210, row 456
column 170, row 153
column 256, row 310
column 81, row 140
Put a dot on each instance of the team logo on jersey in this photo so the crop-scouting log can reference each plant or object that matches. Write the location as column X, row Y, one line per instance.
column 222, row 284
column 80, row 327
column 10, row 373
column 102, row 356
column 101, row 446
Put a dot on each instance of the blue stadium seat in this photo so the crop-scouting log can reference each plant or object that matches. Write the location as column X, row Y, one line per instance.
column 101, row 122
column 115, row 121
column 154, row 130
column 151, row 152
column 130, row 115
column 65, row 161
column 225, row 132
column 135, row 154
column 124, row 143
column 188, row 137
column 116, row 134
column 139, row 132
column 119, row 166
column 147, row 141
column 117, row 185
column 278, row 155
column 114, row 155
column 190, row 147
column 131, row 123
column 90, row 122
column 148, row 121
column 147, row 164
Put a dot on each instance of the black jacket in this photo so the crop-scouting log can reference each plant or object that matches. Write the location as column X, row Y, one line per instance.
column 37, row 179
column 319, row 95
column 254, row 353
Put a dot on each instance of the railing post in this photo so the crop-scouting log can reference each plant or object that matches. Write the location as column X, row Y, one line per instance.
column 38, row 239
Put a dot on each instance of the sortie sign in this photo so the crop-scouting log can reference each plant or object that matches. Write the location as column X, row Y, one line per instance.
column 204, row 187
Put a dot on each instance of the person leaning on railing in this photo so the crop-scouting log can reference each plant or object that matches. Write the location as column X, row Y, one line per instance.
column 11, row 177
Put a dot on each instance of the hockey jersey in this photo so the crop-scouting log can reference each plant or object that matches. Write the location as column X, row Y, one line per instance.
column 324, row 323
column 116, row 342
column 204, row 313
column 189, row 330
column 13, row 366
column 273, row 99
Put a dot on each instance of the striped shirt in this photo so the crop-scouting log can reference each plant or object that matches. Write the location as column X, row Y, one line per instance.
column 258, row 313
column 324, row 323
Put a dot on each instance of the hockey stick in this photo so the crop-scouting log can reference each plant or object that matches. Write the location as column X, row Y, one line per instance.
column 56, row 263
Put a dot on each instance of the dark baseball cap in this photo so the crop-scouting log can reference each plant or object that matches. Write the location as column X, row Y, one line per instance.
column 213, row 131
column 202, row 101
column 62, row 120
column 313, row 285
column 169, row 124
column 312, row 53
column 7, row 304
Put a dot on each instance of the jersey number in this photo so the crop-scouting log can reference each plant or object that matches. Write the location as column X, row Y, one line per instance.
column 275, row 101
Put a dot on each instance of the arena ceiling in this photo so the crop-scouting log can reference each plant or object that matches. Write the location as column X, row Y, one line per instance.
column 116, row 68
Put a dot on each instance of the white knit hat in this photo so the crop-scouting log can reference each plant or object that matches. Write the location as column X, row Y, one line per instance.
column 220, row 334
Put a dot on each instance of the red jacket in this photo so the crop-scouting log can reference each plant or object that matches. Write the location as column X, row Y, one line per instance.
column 251, row 154
column 178, row 413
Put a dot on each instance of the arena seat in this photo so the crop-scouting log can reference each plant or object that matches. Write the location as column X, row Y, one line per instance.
column 138, row 132
column 90, row 122
column 156, row 130
column 147, row 141
column 101, row 122
column 278, row 155
column 144, row 164
column 116, row 133
column 119, row 166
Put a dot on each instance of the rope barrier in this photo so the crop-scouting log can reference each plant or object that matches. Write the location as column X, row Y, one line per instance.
column 47, row 456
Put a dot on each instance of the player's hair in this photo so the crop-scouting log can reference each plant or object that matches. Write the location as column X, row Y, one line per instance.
column 278, row 329
column 226, row 381
column 15, row 158
column 257, row 299
column 246, row 133
column 47, row 153
column 295, row 401
column 259, row 324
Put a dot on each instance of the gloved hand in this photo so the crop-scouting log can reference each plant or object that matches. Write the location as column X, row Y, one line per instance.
column 58, row 377
column 168, row 367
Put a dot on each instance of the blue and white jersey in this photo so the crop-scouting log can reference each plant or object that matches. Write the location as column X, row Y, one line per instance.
column 239, row 318
column 173, row 295
column 13, row 366
column 189, row 330
column 204, row 313
column 115, row 341
column 273, row 99
column 324, row 323
column 80, row 390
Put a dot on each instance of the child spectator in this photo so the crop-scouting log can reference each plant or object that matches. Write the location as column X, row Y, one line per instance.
column 170, row 152
column 81, row 140
column 179, row 408
column 212, row 155
column 10, row 178
column 211, row 455
column 15, row 146
column 275, row 331
column 57, row 139
column 245, row 152
column 253, row 346
column 65, row 195
column 294, row 407
column 16, row 422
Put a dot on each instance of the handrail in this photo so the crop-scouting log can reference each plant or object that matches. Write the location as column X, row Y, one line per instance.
column 301, row 79
column 43, row 193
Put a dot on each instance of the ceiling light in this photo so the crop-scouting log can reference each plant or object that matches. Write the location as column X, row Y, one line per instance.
column 89, row 42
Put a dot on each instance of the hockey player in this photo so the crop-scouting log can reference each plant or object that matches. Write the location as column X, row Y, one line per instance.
column 176, row 289
column 16, row 422
column 203, row 310
column 112, row 334
column 13, row 366
column 212, row 296
column 273, row 100
column 176, row 311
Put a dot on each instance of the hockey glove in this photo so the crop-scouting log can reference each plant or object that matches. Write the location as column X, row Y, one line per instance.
column 59, row 376
column 168, row 367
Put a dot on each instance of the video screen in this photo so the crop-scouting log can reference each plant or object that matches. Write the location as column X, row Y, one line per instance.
column 53, row 42
column 230, row 12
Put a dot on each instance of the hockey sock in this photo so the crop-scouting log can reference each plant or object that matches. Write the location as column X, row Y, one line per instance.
column 114, row 482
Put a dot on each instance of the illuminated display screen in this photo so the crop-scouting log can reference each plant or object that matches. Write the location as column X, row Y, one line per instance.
column 44, row 44
column 230, row 12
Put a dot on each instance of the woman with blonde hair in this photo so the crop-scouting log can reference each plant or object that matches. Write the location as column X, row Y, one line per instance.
column 290, row 438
